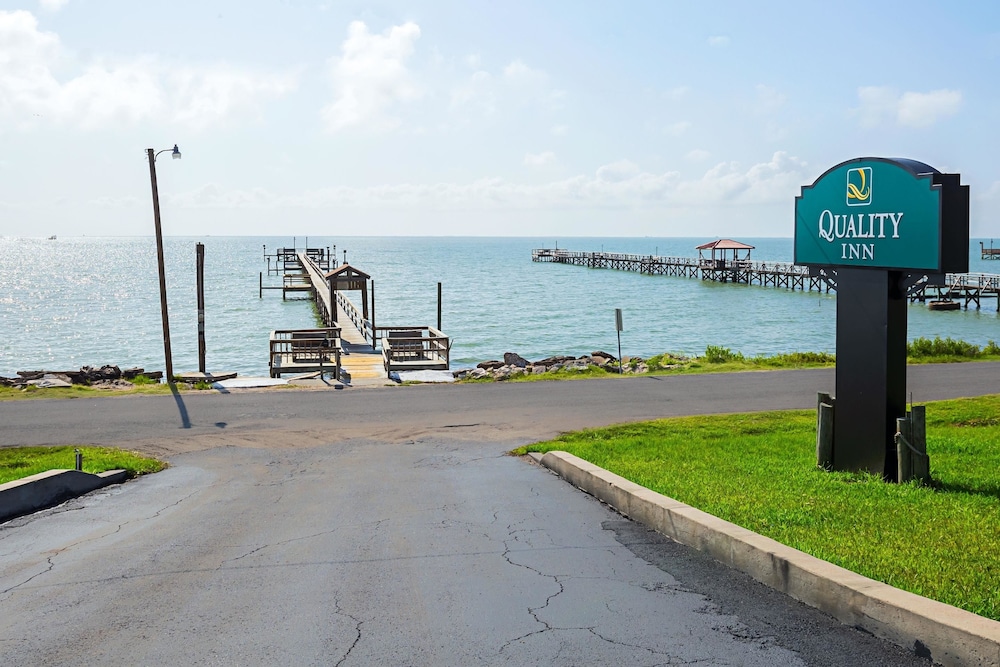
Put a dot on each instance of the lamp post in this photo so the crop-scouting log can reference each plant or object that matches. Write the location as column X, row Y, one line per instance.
column 159, row 259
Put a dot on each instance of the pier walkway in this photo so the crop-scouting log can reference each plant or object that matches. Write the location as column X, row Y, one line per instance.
column 959, row 289
column 349, row 345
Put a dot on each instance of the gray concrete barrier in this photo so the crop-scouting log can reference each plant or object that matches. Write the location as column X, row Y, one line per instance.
column 50, row 488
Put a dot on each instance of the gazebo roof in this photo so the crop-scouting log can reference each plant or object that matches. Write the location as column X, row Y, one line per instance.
column 348, row 272
column 725, row 244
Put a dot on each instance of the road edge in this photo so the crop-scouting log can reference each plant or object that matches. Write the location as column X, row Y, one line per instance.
column 948, row 635
column 46, row 489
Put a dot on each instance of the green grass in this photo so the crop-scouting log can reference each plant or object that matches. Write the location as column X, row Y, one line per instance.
column 759, row 471
column 148, row 386
column 18, row 462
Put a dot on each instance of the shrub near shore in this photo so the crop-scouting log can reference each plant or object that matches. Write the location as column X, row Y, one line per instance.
column 716, row 359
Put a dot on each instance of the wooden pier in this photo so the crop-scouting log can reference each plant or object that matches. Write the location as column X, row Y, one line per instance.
column 745, row 271
column 988, row 253
column 961, row 288
column 348, row 345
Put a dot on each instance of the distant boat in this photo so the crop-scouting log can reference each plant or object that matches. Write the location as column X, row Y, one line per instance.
column 52, row 238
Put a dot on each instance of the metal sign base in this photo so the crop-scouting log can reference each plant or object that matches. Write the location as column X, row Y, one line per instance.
column 871, row 369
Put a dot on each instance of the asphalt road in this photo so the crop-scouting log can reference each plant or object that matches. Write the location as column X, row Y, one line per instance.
column 388, row 527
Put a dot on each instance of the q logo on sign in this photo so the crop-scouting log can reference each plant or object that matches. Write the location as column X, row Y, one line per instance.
column 859, row 186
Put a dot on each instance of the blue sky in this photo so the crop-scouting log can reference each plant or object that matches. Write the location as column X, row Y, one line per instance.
column 550, row 119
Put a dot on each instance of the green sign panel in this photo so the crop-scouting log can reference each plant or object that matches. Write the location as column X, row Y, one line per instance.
column 871, row 213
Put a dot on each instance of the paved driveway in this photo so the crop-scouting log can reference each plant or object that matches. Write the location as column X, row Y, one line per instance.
column 388, row 527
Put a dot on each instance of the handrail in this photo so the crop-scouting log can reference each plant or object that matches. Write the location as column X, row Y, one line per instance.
column 310, row 347
column 362, row 325
column 408, row 347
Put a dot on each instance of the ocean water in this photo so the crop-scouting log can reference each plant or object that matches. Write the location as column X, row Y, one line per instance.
column 91, row 301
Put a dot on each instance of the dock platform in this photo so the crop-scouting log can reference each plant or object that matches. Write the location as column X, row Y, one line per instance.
column 348, row 346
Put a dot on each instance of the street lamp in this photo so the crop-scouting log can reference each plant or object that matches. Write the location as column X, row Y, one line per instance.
column 176, row 153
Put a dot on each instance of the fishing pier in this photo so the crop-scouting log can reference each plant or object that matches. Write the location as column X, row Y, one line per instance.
column 349, row 345
column 716, row 267
column 728, row 261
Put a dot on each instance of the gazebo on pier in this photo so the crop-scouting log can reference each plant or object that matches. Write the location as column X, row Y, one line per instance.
column 717, row 260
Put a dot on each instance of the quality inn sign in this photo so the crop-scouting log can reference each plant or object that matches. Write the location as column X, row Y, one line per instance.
column 875, row 226
column 882, row 213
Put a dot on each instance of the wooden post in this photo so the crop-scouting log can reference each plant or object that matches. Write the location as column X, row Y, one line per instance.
column 904, row 458
column 333, row 305
column 921, row 464
column 439, row 307
column 199, row 249
column 261, row 294
column 824, row 430
column 374, row 336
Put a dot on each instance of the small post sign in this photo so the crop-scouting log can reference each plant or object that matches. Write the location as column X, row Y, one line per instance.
column 619, row 328
column 875, row 225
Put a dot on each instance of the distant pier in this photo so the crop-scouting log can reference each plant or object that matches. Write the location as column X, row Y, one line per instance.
column 957, row 289
column 717, row 267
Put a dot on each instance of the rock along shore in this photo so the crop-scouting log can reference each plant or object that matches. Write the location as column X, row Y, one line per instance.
column 514, row 365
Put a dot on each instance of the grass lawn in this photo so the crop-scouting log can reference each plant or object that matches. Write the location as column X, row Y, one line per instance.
column 759, row 471
column 18, row 462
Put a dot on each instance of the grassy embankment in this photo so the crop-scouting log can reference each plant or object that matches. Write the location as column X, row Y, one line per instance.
column 718, row 359
column 759, row 471
column 18, row 462
column 143, row 385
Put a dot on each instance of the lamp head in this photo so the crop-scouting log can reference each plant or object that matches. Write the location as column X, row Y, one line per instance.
column 176, row 154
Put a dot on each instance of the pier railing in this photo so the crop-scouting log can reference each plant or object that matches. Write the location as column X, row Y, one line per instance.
column 302, row 350
column 414, row 348
column 360, row 323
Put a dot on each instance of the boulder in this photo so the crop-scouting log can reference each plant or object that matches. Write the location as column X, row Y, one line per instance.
column 603, row 355
column 554, row 361
column 490, row 365
column 514, row 359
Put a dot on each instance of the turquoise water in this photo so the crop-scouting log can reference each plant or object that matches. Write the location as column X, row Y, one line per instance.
column 93, row 301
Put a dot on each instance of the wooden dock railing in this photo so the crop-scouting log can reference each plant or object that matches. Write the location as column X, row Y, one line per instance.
column 408, row 348
column 366, row 327
column 305, row 350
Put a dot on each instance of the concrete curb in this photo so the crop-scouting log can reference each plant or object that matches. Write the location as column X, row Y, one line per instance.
column 23, row 496
column 949, row 635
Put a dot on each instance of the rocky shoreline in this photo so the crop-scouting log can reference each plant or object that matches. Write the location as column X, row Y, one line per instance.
column 514, row 365
column 111, row 377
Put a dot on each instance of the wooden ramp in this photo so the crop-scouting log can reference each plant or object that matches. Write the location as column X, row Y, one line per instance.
column 358, row 359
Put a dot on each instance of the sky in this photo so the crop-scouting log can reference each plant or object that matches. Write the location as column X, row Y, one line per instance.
column 471, row 118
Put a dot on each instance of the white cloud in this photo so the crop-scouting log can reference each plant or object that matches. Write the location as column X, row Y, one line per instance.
column 621, row 184
column 370, row 77
column 772, row 181
column 768, row 99
column 517, row 85
column 111, row 91
column 206, row 95
column 923, row 109
column 52, row 5
column 478, row 91
column 539, row 159
column 519, row 73
column 698, row 155
column 618, row 172
column 883, row 104
column 678, row 93
column 473, row 60
column 718, row 41
column 677, row 129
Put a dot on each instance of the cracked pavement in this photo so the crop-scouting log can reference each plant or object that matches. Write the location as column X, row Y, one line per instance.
column 366, row 529
column 437, row 552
